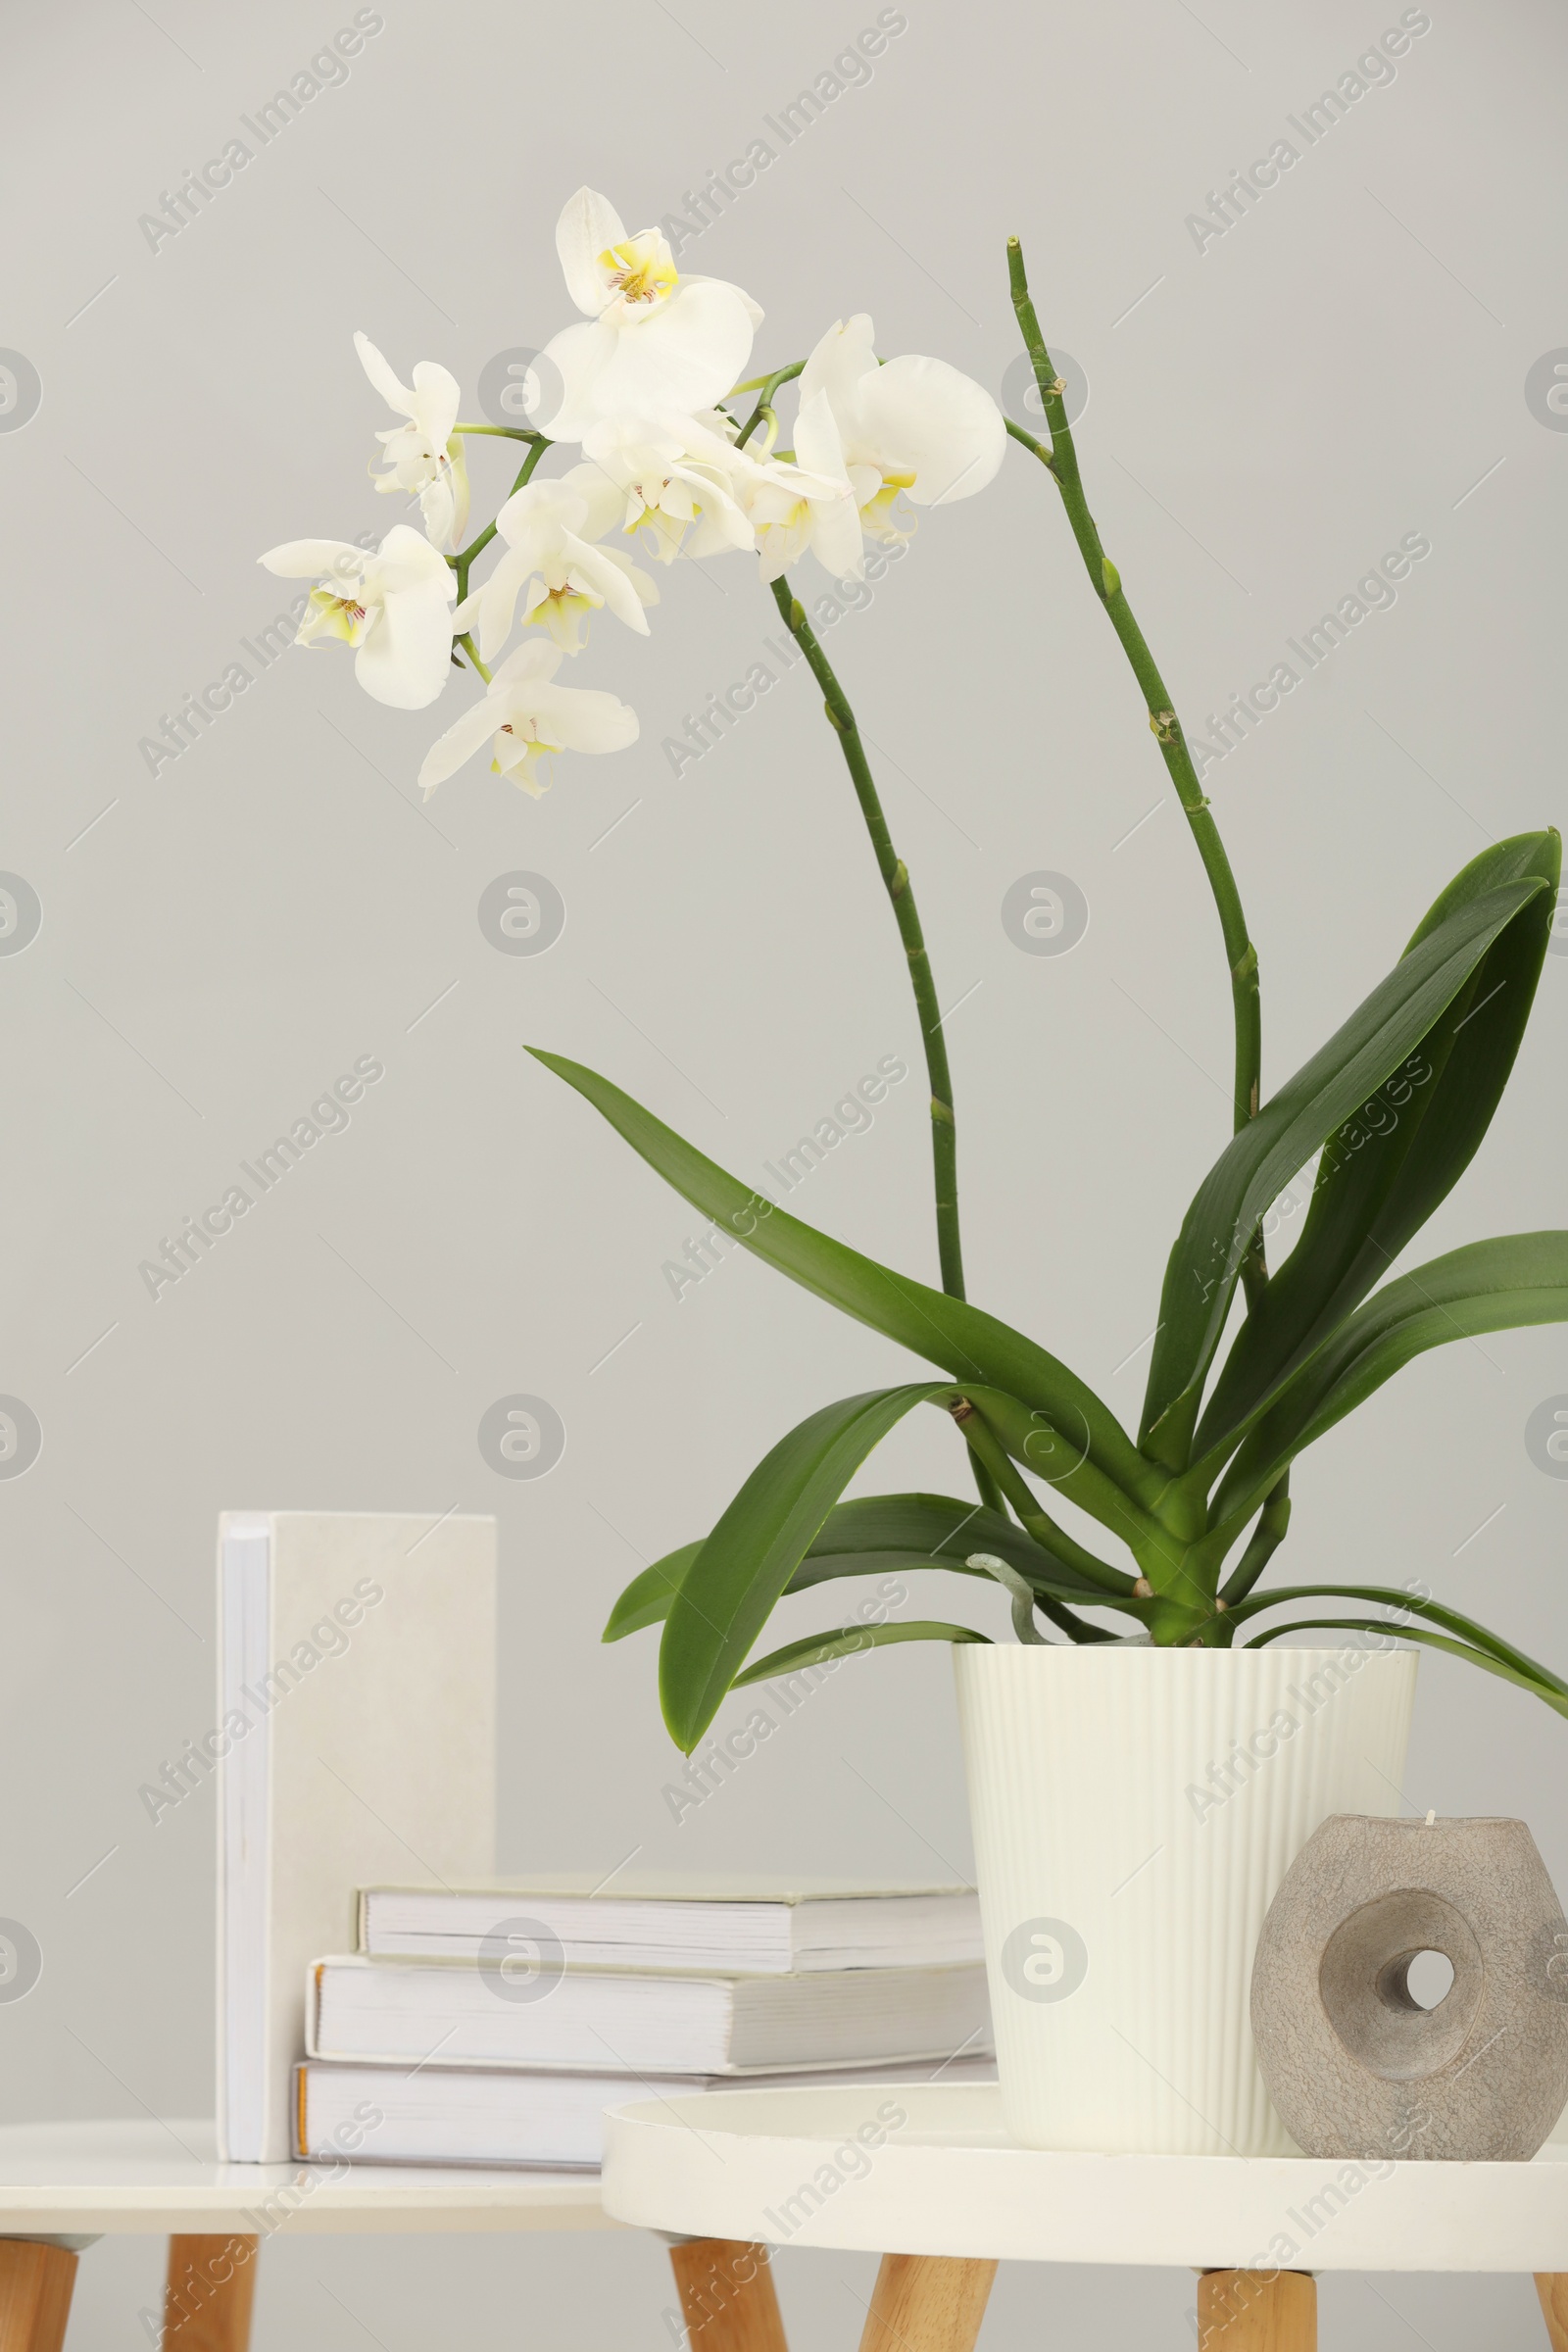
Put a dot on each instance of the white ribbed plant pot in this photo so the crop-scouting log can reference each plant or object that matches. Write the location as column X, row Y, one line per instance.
column 1134, row 1812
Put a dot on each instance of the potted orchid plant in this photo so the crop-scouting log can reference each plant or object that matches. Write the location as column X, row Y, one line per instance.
column 1143, row 1716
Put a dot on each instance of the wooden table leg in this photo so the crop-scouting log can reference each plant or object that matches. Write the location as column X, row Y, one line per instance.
column 727, row 2296
column 1256, row 2311
column 207, row 2303
column 35, row 2283
column 927, row 2303
column 1552, row 2288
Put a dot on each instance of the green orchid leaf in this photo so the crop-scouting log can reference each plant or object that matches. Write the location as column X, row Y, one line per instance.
column 1406, row 1603
column 795, row 1655
column 903, row 1533
column 1050, row 1455
column 1428, row 1640
column 1273, row 1524
column 729, row 1590
column 964, row 1339
column 1380, row 1035
column 1499, row 1285
column 877, row 1533
column 647, row 1598
column 939, row 1528
column 1389, row 1167
column 872, row 1535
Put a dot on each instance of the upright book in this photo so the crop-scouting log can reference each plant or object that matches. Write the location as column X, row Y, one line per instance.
column 357, row 1720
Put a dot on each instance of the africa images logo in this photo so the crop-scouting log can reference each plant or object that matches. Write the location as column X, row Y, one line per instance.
column 1045, row 1960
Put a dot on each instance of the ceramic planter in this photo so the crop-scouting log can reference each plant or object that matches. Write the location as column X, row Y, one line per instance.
column 1133, row 1813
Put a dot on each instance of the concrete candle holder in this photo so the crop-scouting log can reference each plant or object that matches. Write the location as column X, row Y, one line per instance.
column 1356, row 2066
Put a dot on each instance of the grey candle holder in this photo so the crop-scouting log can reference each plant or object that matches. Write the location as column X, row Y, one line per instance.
column 1353, row 2062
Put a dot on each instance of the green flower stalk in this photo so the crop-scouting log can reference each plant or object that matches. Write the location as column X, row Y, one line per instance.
column 1060, row 460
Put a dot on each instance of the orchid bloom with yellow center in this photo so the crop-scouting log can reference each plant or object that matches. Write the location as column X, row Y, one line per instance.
column 393, row 608
column 813, row 503
column 424, row 457
column 915, row 425
column 879, row 517
column 652, row 342
column 547, row 530
column 639, row 269
column 677, row 479
column 527, row 717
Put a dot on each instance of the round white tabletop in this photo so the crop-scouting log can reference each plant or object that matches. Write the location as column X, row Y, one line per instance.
column 105, row 2179
column 916, row 2169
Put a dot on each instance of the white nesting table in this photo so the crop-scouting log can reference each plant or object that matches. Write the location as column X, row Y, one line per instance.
column 73, row 2183
column 927, row 2176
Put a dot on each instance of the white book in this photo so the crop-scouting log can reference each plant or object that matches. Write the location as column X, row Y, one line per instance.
column 356, row 1702
column 769, row 1926
column 524, row 2010
column 474, row 2114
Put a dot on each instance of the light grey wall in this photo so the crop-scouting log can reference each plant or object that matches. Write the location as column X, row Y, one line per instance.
column 1267, row 417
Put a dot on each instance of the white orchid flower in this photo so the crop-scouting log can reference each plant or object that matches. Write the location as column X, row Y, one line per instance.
column 917, row 425
column 528, row 717
column 423, row 459
column 814, row 503
column 653, row 342
column 677, row 478
column 546, row 527
column 394, row 608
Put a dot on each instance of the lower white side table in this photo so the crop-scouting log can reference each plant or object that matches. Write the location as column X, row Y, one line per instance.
column 926, row 2177
column 63, row 2186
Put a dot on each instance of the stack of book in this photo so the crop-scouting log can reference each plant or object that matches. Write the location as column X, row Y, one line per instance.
column 496, row 2025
